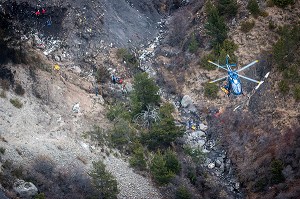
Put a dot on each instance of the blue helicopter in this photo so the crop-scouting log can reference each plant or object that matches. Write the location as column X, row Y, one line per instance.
column 233, row 81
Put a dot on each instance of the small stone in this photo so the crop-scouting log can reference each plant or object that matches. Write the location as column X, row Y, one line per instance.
column 203, row 127
column 57, row 58
column 205, row 151
column 237, row 185
column 288, row 171
column 211, row 165
column 222, row 168
column 218, row 163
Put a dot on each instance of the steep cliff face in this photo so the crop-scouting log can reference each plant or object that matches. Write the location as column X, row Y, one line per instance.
column 262, row 139
column 41, row 135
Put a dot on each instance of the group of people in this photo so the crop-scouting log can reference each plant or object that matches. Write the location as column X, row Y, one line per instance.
column 118, row 80
column 41, row 10
column 115, row 79
column 38, row 8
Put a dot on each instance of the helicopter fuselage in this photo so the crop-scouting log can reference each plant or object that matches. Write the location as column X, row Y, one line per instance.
column 234, row 83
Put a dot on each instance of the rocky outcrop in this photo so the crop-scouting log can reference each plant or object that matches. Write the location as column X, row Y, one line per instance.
column 25, row 189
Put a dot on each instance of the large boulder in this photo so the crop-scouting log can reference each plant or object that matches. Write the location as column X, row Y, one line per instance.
column 128, row 87
column 25, row 189
column 186, row 101
column 203, row 127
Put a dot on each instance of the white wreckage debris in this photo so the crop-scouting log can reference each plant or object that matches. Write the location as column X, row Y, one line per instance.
column 76, row 108
column 39, row 43
column 49, row 45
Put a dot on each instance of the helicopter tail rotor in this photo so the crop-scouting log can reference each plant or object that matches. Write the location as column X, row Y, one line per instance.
column 261, row 82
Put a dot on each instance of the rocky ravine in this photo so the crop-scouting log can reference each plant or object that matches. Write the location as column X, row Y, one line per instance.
column 46, row 127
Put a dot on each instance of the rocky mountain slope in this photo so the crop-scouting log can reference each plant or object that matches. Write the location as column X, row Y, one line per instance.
column 49, row 142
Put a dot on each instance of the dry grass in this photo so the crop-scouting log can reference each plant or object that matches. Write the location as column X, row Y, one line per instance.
column 17, row 103
column 82, row 159
column 246, row 26
column 3, row 94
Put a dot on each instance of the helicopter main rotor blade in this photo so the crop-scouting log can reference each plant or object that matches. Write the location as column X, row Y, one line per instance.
column 247, row 66
column 247, row 78
column 218, row 79
column 217, row 65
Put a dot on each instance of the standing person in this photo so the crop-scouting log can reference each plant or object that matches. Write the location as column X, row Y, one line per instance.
column 113, row 79
column 49, row 22
column 96, row 89
column 37, row 13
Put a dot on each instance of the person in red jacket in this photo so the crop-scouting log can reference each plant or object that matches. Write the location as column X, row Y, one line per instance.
column 37, row 13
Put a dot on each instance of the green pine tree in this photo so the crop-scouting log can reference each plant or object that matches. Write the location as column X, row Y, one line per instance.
column 104, row 181
column 227, row 8
column 172, row 163
column 283, row 3
column 193, row 46
column 162, row 134
column 159, row 170
column 215, row 26
column 253, row 7
column 183, row 193
column 145, row 93
column 138, row 158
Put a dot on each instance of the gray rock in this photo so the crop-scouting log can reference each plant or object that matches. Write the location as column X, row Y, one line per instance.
column 25, row 189
column 200, row 143
column 218, row 163
column 222, row 168
column 77, row 69
column 192, row 108
column 205, row 151
column 2, row 196
column 203, row 127
column 233, row 22
column 76, row 108
column 237, row 185
column 288, row 171
column 186, row 101
column 198, row 134
column 128, row 87
column 57, row 58
column 98, row 99
column 211, row 165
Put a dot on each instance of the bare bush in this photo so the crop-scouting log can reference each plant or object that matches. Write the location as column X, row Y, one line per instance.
column 102, row 74
column 19, row 90
column 5, row 84
column 261, row 161
column 58, row 183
